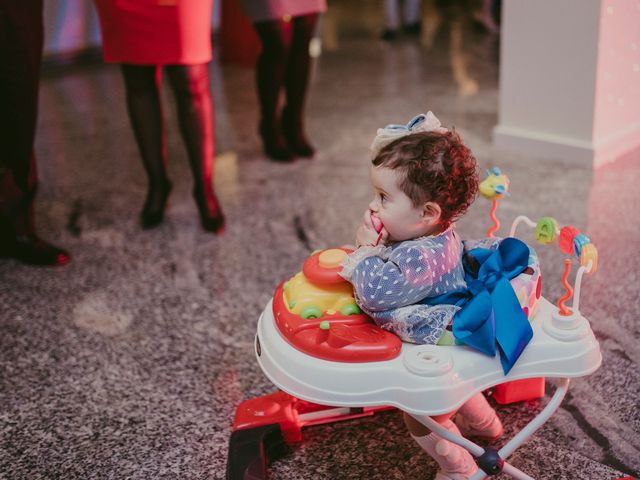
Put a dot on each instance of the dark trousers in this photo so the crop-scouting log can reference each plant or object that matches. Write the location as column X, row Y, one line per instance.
column 21, row 41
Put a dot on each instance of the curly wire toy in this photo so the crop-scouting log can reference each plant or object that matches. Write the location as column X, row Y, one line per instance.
column 496, row 223
column 493, row 188
column 564, row 310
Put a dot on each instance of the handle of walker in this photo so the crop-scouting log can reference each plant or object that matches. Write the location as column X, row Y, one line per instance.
column 252, row 449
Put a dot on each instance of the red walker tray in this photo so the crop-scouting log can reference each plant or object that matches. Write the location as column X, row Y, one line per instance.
column 349, row 338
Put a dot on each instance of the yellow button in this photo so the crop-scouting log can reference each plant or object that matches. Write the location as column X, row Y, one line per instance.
column 332, row 258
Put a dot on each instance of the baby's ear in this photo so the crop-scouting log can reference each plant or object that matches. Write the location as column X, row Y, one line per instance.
column 431, row 213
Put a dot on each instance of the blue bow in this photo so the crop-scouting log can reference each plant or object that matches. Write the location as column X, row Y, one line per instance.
column 491, row 313
column 413, row 123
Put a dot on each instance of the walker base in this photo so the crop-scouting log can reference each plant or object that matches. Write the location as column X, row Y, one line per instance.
column 252, row 449
column 519, row 390
column 264, row 426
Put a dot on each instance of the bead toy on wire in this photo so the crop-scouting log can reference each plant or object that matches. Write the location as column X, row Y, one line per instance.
column 571, row 242
column 493, row 188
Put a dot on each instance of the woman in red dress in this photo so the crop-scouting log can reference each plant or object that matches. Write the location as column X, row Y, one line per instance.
column 144, row 36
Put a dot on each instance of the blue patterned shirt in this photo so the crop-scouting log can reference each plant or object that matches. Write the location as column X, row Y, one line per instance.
column 390, row 282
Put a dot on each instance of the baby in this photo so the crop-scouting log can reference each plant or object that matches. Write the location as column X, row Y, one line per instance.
column 423, row 178
column 408, row 255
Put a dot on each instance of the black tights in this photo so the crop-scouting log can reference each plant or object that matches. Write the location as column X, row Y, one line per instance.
column 284, row 61
column 190, row 85
column 21, row 38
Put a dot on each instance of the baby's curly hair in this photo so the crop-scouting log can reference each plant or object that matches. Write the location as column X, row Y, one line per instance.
column 437, row 167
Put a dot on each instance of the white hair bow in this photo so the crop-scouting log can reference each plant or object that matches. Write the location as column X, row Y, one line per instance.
column 420, row 123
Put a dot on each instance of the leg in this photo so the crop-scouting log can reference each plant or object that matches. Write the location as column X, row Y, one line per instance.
column 21, row 37
column 145, row 113
column 476, row 418
column 431, row 22
column 417, row 429
column 484, row 16
column 270, row 72
column 392, row 20
column 190, row 85
column 455, row 462
column 466, row 85
column 296, row 82
column 412, row 17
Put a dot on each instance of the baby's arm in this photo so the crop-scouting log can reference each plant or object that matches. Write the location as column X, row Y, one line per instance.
column 383, row 279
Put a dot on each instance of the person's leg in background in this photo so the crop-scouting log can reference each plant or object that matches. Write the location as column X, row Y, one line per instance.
column 21, row 41
column 411, row 17
column 296, row 83
column 483, row 15
column 431, row 21
column 391, row 20
column 270, row 73
column 190, row 84
column 145, row 114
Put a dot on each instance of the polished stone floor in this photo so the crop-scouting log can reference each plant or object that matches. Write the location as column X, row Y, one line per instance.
column 129, row 362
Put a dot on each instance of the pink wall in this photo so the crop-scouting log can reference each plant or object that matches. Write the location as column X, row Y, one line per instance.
column 616, row 127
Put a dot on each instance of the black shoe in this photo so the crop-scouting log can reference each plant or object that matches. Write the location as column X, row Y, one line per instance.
column 32, row 250
column 274, row 145
column 154, row 206
column 412, row 29
column 389, row 35
column 296, row 139
column 278, row 153
column 211, row 216
column 214, row 224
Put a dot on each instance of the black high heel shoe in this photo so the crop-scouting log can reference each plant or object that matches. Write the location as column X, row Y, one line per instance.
column 274, row 145
column 154, row 206
column 211, row 216
column 19, row 240
column 32, row 250
column 293, row 133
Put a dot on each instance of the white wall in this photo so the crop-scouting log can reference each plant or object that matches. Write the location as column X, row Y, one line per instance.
column 553, row 57
column 617, row 105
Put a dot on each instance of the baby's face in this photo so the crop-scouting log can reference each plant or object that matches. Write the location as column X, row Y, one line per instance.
column 394, row 208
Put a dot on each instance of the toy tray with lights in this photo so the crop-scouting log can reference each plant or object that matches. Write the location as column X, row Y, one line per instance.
column 316, row 313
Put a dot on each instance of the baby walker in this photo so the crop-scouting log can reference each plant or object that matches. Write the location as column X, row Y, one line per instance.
column 334, row 363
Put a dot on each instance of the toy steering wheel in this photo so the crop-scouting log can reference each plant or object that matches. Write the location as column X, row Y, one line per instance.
column 324, row 267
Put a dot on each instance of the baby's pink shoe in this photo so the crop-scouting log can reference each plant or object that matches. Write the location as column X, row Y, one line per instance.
column 455, row 462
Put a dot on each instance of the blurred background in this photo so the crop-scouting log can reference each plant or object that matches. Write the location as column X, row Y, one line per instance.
column 129, row 362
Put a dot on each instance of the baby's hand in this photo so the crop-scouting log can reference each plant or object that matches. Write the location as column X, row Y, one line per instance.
column 367, row 234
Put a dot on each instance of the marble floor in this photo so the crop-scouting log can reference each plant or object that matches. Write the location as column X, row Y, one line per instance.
column 129, row 362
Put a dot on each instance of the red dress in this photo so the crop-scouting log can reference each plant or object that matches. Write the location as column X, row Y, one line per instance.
column 156, row 32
